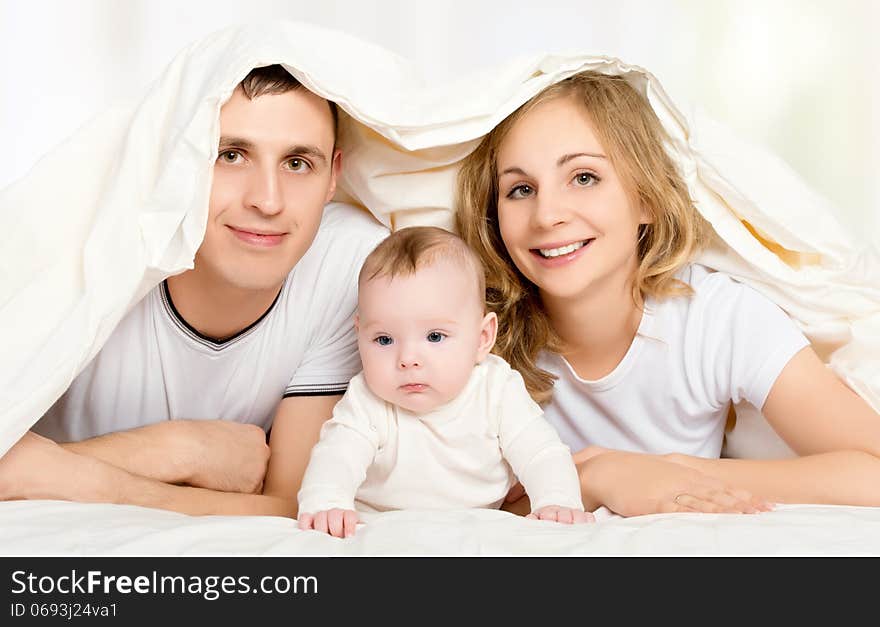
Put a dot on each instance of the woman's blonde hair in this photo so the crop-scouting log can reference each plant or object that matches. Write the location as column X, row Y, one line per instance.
column 634, row 140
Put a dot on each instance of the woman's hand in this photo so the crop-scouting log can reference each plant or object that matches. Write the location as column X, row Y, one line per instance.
column 634, row 484
column 339, row 523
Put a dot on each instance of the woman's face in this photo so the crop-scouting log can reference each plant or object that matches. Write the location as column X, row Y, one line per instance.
column 564, row 215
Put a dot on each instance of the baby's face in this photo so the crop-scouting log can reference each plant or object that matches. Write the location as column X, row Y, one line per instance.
column 421, row 335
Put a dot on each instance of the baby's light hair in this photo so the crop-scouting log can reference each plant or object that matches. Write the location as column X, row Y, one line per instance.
column 405, row 251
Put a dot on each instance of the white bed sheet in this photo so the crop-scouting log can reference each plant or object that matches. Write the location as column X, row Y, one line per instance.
column 57, row 528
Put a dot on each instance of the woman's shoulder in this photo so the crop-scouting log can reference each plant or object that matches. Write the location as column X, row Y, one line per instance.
column 713, row 288
column 720, row 299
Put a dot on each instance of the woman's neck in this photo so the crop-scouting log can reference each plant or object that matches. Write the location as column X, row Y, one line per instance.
column 596, row 327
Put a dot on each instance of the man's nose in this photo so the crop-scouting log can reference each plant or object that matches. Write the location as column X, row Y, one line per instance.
column 264, row 192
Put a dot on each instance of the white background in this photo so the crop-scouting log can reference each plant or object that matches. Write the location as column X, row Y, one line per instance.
column 799, row 76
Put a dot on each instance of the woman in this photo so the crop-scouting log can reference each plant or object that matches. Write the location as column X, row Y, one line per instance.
column 588, row 235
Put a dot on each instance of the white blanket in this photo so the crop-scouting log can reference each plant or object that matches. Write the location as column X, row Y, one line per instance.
column 123, row 203
column 59, row 528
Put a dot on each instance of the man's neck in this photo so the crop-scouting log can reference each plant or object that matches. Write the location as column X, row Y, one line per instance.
column 597, row 327
column 214, row 308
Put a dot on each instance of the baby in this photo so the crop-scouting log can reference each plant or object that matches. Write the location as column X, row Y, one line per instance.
column 433, row 421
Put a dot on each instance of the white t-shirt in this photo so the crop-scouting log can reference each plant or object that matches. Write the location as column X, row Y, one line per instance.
column 690, row 358
column 156, row 367
column 374, row 456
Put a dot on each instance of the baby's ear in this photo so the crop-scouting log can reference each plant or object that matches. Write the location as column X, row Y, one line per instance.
column 488, row 333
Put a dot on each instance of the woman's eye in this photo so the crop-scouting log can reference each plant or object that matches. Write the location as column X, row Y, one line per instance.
column 585, row 179
column 229, row 156
column 435, row 336
column 297, row 165
column 520, row 191
column 384, row 340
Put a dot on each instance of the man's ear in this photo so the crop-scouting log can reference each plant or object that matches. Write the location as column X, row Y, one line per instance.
column 335, row 170
column 488, row 333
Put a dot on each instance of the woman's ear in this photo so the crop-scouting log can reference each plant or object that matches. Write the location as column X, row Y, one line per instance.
column 488, row 333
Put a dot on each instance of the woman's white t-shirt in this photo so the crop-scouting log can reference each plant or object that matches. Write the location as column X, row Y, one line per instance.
column 691, row 357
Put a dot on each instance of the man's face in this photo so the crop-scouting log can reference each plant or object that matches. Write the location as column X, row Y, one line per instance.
column 275, row 170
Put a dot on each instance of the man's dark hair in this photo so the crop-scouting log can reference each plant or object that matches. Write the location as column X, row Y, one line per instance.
column 273, row 80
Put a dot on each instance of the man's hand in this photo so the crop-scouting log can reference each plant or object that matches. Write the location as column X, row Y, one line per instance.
column 220, row 454
column 339, row 523
column 564, row 515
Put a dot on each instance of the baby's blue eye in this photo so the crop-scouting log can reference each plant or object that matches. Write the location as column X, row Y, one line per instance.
column 384, row 340
column 435, row 336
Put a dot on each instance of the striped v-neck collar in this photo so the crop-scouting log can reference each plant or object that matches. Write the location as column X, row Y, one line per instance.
column 209, row 342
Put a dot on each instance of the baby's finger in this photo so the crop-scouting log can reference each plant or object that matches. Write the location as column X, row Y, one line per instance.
column 548, row 513
column 349, row 522
column 334, row 522
column 321, row 522
column 579, row 517
column 564, row 515
column 305, row 521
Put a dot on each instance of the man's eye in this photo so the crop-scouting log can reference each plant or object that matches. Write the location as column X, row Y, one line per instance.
column 383, row 340
column 229, row 156
column 435, row 336
column 298, row 165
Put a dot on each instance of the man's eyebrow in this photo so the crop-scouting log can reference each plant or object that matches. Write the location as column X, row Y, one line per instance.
column 307, row 150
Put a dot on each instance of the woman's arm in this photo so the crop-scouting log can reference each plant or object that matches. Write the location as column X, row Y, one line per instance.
column 834, row 430
column 634, row 484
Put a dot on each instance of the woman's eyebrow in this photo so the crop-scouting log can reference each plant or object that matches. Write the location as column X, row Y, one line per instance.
column 560, row 162
column 566, row 158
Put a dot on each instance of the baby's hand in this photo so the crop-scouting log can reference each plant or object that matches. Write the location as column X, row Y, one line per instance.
column 339, row 523
column 565, row 515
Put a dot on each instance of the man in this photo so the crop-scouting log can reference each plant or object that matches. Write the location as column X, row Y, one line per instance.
column 171, row 413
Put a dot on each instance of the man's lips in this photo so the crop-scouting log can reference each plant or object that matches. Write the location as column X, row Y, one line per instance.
column 414, row 387
column 257, row 237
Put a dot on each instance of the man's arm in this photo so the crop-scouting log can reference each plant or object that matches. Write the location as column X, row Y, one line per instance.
column 37, row 468
column 217, row 454
column 295, row 431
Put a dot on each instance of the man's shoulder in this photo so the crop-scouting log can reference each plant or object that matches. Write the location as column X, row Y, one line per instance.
column 346, row 236
column 344, row 219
